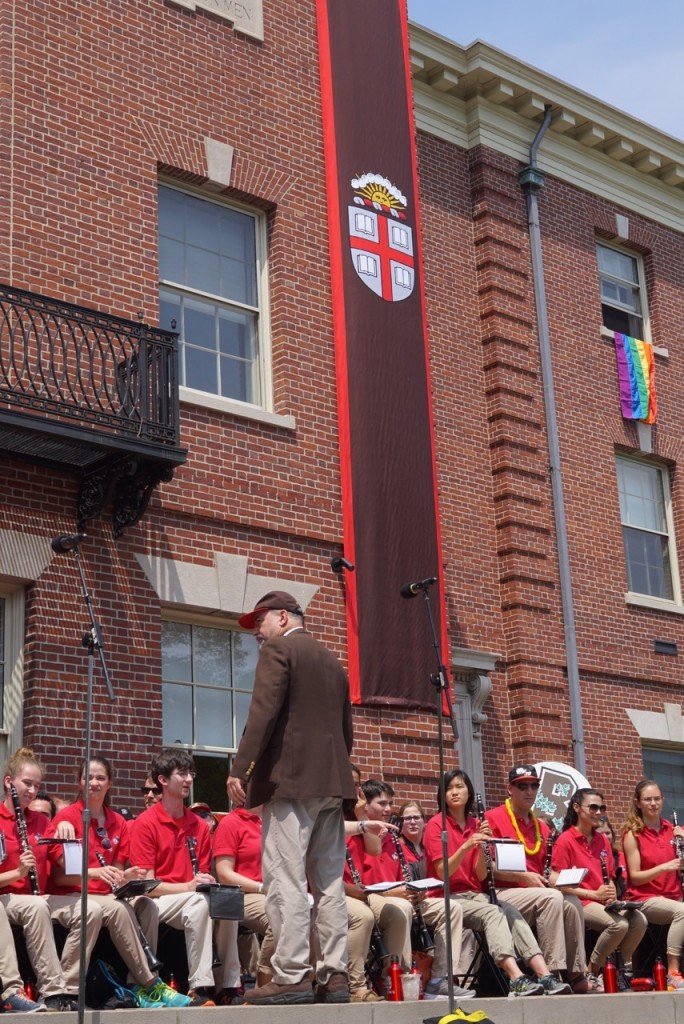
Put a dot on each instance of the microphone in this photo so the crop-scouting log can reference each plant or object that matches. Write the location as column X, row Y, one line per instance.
column 338, row 564
column 66, row 542
column 413, row 589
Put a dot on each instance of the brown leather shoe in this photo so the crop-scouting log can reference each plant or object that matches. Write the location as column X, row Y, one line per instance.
column 334, row 990
column 273, row 994
column 365, row 995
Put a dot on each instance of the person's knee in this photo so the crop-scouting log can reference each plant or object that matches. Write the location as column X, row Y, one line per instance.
column 94, row 914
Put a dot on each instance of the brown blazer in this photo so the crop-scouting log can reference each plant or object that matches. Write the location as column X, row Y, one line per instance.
column 298, row 735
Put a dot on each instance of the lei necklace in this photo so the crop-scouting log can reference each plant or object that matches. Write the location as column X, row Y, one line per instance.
column 537, row 832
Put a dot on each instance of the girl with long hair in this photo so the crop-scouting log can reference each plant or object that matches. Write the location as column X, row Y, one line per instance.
column 654, row 870
column 582, row 845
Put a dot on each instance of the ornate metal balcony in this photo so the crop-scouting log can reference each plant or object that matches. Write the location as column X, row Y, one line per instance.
column 92, row 394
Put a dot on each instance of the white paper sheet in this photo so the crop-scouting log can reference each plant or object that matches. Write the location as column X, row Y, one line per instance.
column 510, row 857
column 571, row 876
column 72, row 858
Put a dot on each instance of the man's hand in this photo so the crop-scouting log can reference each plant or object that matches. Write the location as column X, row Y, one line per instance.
column 235, row 791
column 378, row 828
column 533, row 881
column 356, row 892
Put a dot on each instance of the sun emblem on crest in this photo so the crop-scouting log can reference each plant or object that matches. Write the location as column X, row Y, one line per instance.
column 379, row 192
column 381, row 248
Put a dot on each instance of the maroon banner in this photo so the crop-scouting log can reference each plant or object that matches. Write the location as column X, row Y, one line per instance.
column 385, row 417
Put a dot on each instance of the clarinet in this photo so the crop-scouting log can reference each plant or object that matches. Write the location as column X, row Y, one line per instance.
column 553, row 836
column 23, row 837
column 679, row 848
column 493, row 898
column 376, row 935
column 191, row 844
column 424, row 937
column 153, row 963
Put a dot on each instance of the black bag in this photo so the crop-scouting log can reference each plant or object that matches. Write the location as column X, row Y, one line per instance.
column 226, row 902
column 106, row 991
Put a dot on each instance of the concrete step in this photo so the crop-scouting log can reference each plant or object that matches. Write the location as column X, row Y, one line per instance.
column 628, row 1008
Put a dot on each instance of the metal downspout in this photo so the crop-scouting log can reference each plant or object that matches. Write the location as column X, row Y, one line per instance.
column 531, row 180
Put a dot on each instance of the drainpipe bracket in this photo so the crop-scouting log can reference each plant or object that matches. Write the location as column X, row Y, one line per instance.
column 531, row 177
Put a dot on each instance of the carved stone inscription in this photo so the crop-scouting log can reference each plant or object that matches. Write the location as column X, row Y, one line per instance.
column 245, row 15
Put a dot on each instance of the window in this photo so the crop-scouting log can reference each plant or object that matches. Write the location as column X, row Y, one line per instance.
column 623, row 292
column 209, row 269
column 666, row 767
column 647, row 530
column 11, row 668
column 207, row 680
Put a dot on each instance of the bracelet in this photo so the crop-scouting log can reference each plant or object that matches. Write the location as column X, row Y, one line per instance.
column 362, row 828
column 260, row 889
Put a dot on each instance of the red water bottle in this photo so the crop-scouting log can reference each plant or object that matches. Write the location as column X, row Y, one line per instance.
column 30, row 991
column 416, row 970
column 660, row 975
column 173, row 983
column 610, row 978
column 396, row 992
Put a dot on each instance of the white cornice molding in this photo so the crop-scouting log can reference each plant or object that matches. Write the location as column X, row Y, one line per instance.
column 478, row 95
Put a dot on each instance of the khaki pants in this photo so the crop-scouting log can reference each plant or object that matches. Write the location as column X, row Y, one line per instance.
column 66, row 910
column 621, row 930
column 433, row 912
column 257, row 921
column 394, row 917
column 558, row 923
column 119, row 919
column 660, row 910
column 506, row 931
column 10, row 978
column 32, row 913
column 303, row 840
column 361, row 921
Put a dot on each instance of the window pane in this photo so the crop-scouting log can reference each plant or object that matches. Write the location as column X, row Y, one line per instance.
column 620, row 320
column 236, row 333
column 242, row 702
column 201, row 371
column 202, row 224
column 641, row 496
column 211, row 656
column 214, row 716
column 648, row 564
column 666, row 767
column 176, row 664
column 236, row 380
column 177, row 713
column 210, row 784
column 171, row 213
column 169, row 310
column 245, row 656
column 171, row 260
column 199, row 323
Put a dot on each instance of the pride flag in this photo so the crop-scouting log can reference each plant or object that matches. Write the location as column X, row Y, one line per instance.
column 636, row 378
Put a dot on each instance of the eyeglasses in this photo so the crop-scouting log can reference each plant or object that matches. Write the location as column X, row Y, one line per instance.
column 412, row 817
column 101, row 833
column 184, row 774
column 149, row 789
column 527, row 785
column 595, row 808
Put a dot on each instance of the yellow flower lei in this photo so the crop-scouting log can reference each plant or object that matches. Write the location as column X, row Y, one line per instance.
column 537, row 831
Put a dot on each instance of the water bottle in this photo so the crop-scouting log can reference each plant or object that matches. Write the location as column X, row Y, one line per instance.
column 395, row 993
column 416, row 970
column 660, row 975
column 610, row 978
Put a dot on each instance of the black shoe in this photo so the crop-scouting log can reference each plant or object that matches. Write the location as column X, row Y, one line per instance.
column 62, row 1003
column 230, row 997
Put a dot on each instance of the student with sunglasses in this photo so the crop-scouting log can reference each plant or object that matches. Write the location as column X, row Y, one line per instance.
column 581, row 845
column 108, row 851
column 151, row 793
column 557, row 920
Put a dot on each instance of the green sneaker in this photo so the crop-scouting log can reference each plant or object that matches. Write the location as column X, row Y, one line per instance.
column 160, row 994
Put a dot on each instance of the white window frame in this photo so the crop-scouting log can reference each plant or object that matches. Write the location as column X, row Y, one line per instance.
column 641, row 282
column 11, row 730
column 648, row 600
column 675, row 749
column 262, row 411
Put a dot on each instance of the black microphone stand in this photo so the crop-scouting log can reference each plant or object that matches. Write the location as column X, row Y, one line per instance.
column 92, row 641
column 440, row 681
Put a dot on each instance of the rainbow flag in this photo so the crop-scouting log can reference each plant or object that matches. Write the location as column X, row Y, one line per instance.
column 636, row 378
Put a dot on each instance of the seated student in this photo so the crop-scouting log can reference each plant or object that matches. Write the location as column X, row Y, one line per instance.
column 508, row 934
column 44, row 804
column 22, row 873
column 581, row 845
column 13, row 998
column 557, row 919
column 151, row 793
column 166, row 841
column 108, row 849
column 387, row 868
column 237, row 861
column 411, row 822
column 654, row 870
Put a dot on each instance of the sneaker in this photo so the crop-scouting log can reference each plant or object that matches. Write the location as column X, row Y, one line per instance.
column 624, row 980
column 334, row 990
column 437, row 987
column 19, row 1002
column 198, row 998
column 596, row 982
column 275, row 994
column 159, row 994
column 524, row 986
column 553, row 987
column 675, row 982
column 61, row 1003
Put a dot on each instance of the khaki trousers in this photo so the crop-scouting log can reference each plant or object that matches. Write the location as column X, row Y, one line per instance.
column 433, row 912
column 558, row 923
column 506, row 931
column 621, row 930
column 303, row 841
column 361, row 921
column 660, row 910
column 257, row 921
column 394, row 917
column 33, row 915
column 66, row 910
column 119, row 919
column 10, row 979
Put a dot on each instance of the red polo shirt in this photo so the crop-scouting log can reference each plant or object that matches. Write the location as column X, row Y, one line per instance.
column 159, row 844
column 238, row 835
column 502, row 827
column 464, row 879
column 116, row 830
column 386, row 867
column 36, row 825
column 656, row 848
column 572, row 849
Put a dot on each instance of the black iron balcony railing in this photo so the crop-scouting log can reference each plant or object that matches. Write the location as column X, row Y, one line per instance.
column 89, row 392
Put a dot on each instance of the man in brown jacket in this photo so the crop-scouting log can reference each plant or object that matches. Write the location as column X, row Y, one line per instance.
column 294, row 758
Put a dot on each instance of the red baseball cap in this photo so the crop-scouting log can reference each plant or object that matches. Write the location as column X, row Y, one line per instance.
column 274, row 599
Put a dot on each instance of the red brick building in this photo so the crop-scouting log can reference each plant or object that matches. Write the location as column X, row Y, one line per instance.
column 162, row 163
